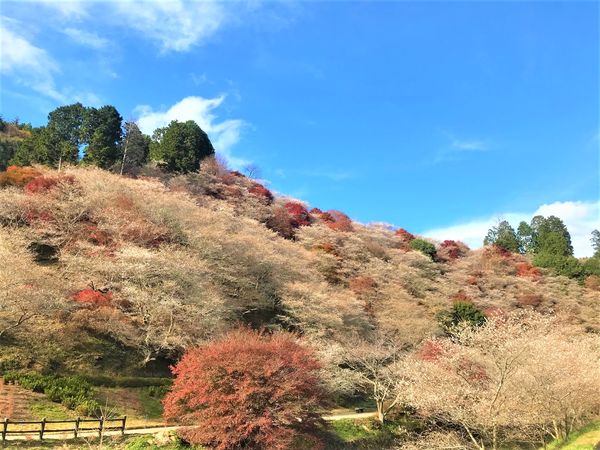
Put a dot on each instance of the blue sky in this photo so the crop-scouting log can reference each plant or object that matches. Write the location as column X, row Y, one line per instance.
column 439, row 117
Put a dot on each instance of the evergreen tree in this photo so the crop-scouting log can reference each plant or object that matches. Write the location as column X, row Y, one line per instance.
column 552, row 237
column 180, row 146
column 101, row 130
column 596, row 243
column 135, row 148
column 525, row 237
column 503, row 235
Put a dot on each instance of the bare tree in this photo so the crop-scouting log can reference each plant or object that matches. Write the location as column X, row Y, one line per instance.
column 252, row 170
column 375, row 362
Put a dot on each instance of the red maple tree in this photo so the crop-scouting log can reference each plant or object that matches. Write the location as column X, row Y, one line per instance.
column 246, row 390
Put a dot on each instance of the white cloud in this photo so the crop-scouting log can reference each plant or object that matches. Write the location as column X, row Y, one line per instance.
column 86, row 38
column 68, row 9
column 224, row 135
column 469, row 146
column 579, row 217
column 27, row 64
column 175, row 25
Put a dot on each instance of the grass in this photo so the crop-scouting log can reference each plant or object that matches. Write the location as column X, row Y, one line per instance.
column 110, row 443
column 50, row 410
column 585, row 438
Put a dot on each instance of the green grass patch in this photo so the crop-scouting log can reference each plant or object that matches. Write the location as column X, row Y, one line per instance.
column 49, row 410
column 151, row 403
column 583, row 439
column 350, row 430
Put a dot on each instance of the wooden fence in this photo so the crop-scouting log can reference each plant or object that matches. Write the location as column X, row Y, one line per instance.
column 56, row 426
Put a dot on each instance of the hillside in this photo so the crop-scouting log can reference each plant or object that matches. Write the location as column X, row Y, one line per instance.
column 114, row 274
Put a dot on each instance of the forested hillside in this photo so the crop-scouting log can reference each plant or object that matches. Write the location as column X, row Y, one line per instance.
column 112, row 264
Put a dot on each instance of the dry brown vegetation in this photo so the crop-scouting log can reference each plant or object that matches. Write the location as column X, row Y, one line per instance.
column 176, row 261
column 102, row 272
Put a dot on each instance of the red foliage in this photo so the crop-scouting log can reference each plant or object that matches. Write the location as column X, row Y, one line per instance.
column 460, row 296
column 44, row 183
column 92, row 297
column 450, row 250
column 533, row 300
column 18, row 176
column 337, row 220
column 404, row 235
column 497, row 250
column 316, row 211
column 298, row 214
column 33, row 215
column 97, row 236
column 237, row 174
column 262, row 193
column 472, row 371
column 526, row 270
column 327, row 247
column 246, row 390
column 362, row 285
column 431, row 350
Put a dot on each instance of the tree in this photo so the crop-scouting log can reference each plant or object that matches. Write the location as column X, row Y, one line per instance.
column 180, row 146
column 550, row 236
column 65, row 133
column 135, row 148
column 246, row 390
column 425, row 247
column 596, row 243
column 505, row 381
column 374, row 363
column 504, row 236
column 102, row 132
column 525, row 237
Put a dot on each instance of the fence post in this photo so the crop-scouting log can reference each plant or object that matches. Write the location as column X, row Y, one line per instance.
column 42, row 428
column 101, row 427
column 76, row 431
column 123, row 429
column 4, row 428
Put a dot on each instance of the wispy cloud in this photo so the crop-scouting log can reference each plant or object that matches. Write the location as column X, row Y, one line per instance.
column 87, row 38
column 469, row 146
column 579, row 217
column 457, row 148
column 26, row 63
column 223, row 134
column 176, row 26
column 333, row 175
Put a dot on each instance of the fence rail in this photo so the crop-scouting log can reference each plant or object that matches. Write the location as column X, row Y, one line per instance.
column 103, row 424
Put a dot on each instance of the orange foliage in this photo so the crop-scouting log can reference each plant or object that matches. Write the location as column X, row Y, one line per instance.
column 18, row 176
column 337, row 220
column 92, row 297
column 246, row 390
column 526, row 270
column 404, row 235
column 362, row 285
column 328, row 247
column 460, row 296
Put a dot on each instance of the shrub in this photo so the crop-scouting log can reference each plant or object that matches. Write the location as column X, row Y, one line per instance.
column 425, row 247
column 281, row 222
column 337, row 220
column 461, row 312
column 299, row 216
column 262, row 193
column 44, row 183
column 362, row 285
column 404, row 235
column 460, row 296
column 246, row 390
column 73, row 392
column 568, row 266
column 450, row 250
column 92, row 297
column 526, row 270
column 18, row 176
